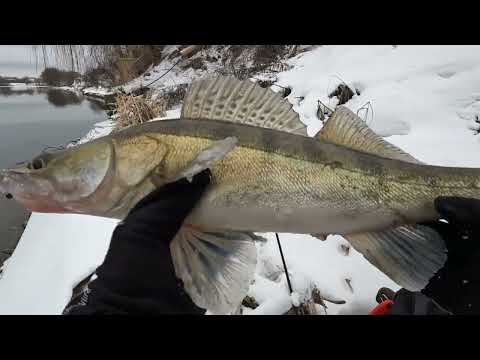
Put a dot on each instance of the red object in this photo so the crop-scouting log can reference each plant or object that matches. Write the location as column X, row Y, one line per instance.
column 381, row 309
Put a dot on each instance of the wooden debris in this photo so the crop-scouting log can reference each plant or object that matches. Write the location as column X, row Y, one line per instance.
column 323, row 111
column 250, row 302
column 343, row 93
column 349, row 283
column 308, row 307
column 190, row 51
column 345, row 249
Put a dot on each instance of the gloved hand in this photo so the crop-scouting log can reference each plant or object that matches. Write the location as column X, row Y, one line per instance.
column 161, row 213
column 137, row 275
column 414, row 303
column 456, row 287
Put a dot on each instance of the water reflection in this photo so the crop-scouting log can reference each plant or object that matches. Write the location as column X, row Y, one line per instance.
column 61, row 98
column 9, row 91
column 56, row 97
column 96, row 105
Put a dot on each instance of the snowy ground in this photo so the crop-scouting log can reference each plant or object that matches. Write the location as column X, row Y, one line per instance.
column 165, row 75
column 425, row 99
column 22, row 86
column 98, row 91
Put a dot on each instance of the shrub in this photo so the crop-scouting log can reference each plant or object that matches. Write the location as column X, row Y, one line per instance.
column 55, row 77
column 134, row 110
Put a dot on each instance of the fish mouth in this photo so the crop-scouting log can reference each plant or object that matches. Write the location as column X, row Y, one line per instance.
column 21, row 187
column 11, row 181
column 4, row 183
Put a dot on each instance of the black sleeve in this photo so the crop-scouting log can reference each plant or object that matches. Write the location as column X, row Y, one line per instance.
column 137, row 275
column 415, row 303
column 456, row 287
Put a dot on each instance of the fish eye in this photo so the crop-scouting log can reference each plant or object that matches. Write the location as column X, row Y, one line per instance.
column 36, row 164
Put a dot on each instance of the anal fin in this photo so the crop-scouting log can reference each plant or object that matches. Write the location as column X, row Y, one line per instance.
column 216, row 268
column 410, row 255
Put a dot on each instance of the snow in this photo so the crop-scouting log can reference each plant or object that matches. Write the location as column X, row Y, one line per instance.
column 414, row 90
column 312, row 262
column 54, row 253
column 161, row 77
column 425, row 100
column 295, row 297
column 100, row 129
column 100, row 91
column 22, row 86
column 170, row 114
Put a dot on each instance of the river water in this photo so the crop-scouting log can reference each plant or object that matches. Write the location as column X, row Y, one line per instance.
column 31, row 120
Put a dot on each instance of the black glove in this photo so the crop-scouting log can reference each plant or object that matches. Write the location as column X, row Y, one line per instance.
column 415, row 303
column 137, row 275
column 456, row 287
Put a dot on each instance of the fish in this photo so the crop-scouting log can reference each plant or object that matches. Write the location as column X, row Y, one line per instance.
column 267, row 175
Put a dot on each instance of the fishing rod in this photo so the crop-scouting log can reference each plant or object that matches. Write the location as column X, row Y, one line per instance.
column 284, row 264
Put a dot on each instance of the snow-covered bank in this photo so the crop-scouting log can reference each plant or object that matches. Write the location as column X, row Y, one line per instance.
column 22, row 86
column 429, row 93
column 98, row 91
column 100, row 129
column 54, row 252
column 424, row 98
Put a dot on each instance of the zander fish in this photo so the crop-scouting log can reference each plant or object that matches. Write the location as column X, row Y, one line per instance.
column 267, row 176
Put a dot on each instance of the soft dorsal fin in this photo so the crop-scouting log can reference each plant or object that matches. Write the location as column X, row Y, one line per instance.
column 347, row 129
column 226, row 98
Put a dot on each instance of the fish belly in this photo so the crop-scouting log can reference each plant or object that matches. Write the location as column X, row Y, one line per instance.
column 321, row 219
column 283, row 195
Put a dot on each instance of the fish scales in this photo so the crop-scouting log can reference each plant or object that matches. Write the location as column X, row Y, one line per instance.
column 275, row 170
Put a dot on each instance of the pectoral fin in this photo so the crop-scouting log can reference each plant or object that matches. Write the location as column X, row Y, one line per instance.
column 216, row 268
column 217, row 151
column 409, row 255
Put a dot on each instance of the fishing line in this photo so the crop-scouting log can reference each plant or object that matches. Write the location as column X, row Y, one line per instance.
column 280, row 86
column 164, row 73
column 284, row 264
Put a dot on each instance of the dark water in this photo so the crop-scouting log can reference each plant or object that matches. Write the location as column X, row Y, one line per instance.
column 31, row 120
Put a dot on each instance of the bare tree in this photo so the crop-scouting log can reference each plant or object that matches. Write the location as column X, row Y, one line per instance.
column 113, row 58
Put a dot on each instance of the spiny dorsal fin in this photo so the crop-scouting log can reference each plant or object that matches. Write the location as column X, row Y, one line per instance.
column 226, row 98
column 347, row 129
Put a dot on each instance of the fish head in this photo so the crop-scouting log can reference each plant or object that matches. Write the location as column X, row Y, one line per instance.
column 61, row 182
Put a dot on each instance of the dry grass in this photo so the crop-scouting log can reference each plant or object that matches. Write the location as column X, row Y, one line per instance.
column 307, row 307
column 135, row 110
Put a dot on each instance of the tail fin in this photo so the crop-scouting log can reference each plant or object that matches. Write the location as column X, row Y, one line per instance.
column 409, row 255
